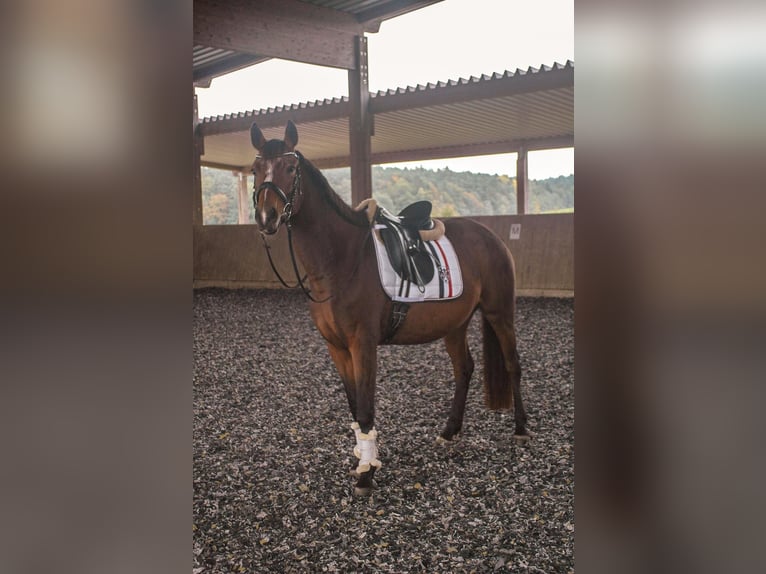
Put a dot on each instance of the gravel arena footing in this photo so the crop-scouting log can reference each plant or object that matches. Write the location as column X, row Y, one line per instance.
column 273, row 449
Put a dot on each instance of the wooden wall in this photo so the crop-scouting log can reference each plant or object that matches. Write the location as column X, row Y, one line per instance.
column 544, row 251
column 233, row 256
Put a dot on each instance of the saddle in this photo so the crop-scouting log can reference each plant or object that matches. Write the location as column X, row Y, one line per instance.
column 402, row 238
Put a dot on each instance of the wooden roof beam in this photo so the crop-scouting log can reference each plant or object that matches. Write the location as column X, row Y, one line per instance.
column 512, row 146
column 471, row 150
column 286, row 29
column 226, row 167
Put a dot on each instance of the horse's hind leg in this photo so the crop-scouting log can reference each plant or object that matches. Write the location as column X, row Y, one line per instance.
column 502, row 325
column 520, row 435
column 462, row 366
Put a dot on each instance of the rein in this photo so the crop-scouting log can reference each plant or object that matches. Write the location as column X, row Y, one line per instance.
column 286, row 217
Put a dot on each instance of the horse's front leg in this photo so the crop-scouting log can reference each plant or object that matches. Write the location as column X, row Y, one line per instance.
column 342, row 359
column 364, row 354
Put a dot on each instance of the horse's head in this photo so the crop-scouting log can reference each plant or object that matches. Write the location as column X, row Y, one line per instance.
column 276, row 170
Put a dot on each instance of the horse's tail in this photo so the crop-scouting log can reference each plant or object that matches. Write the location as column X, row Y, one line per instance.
column 498, row 392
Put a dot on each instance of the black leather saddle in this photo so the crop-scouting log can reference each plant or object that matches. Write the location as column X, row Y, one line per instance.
column 409, row 255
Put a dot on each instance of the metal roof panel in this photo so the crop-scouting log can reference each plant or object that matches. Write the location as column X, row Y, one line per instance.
column 489, row 113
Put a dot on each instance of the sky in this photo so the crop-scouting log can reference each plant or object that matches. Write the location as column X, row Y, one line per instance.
column 448, row 40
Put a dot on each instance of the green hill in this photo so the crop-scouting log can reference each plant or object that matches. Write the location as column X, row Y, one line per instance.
column 452, row 193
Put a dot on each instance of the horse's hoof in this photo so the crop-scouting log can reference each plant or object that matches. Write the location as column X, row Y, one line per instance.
column 362, row 491
column 520, row 439
column 440, row 440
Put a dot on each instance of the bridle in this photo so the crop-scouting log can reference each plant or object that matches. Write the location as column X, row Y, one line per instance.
column 296, row 191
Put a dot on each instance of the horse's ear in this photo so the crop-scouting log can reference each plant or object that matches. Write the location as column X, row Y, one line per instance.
column 256, row 137
column 291, row 135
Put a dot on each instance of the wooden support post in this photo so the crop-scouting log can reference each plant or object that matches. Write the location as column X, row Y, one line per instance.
column 199, row 149
column 522, row 180
column 360, row 125
column 244, row 199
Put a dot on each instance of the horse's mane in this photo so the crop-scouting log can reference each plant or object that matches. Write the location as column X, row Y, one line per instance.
column 328, row 194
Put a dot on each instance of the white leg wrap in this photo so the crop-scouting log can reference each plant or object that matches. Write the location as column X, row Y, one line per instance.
column 366, row 449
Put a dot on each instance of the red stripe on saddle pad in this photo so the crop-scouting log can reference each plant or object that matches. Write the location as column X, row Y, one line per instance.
column 446, row 265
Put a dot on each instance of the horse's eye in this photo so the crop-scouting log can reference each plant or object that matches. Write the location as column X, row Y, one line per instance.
column 290, row 169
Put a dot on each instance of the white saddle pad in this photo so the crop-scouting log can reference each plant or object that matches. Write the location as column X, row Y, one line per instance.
column 447, row 282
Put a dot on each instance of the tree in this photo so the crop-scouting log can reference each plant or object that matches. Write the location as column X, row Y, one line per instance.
column 220, row 197
column 452, row 193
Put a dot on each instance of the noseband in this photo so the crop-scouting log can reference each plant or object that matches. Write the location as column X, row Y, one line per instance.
column 295, row 190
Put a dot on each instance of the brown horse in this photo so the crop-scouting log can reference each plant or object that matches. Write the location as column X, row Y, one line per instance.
column 351, row 310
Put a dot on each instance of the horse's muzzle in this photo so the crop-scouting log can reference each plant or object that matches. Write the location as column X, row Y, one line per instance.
column 268, row 220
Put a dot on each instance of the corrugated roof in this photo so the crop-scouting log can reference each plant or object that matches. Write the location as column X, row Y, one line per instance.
column 209, row 62
column 367, row 11
column 466, row 116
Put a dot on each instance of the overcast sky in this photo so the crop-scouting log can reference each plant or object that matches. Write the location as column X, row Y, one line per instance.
column 448, row 40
